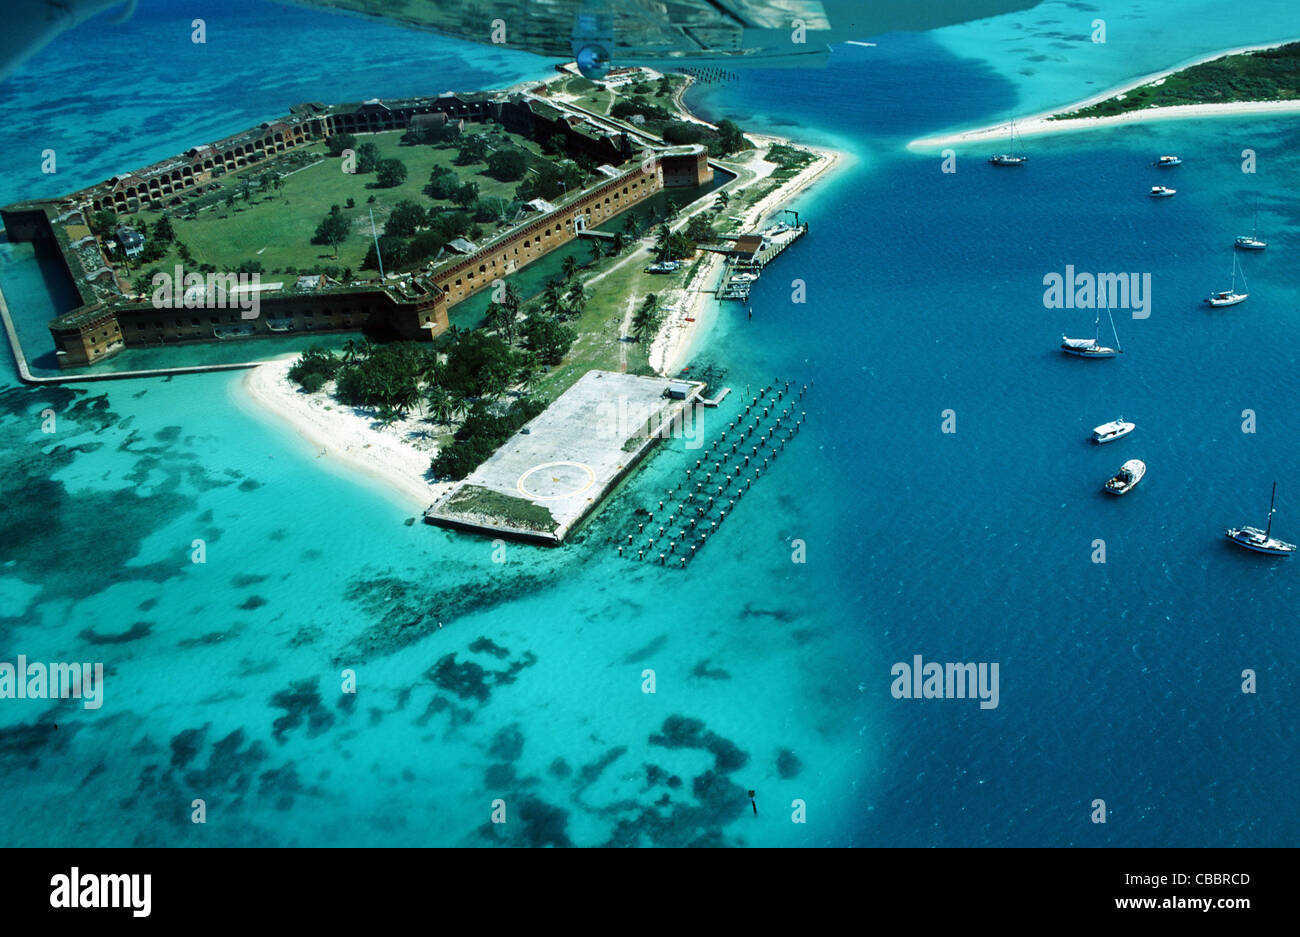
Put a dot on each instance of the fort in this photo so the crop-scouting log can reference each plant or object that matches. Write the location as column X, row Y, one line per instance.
column 112, row 316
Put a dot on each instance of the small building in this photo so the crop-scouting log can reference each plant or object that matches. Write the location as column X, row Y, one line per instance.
column 130, row 240
column 678, row 390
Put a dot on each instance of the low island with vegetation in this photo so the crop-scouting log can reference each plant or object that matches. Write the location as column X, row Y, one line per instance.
column 1257, row 76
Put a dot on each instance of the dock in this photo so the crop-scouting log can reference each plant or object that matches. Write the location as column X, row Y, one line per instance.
column 749, row 259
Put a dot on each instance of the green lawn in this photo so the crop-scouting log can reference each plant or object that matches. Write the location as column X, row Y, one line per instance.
column 277, row 227
column 598, row 345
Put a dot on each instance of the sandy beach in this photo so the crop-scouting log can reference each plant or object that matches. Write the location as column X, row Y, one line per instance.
column 397, row 456
column 1040, row 123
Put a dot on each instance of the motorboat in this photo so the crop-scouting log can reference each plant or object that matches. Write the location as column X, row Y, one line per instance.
column 1168, row 161
column 1126, row 479
column 1162, row 191
column 1109, row 432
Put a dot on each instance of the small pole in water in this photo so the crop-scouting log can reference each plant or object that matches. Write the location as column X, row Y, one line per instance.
column 753, row 803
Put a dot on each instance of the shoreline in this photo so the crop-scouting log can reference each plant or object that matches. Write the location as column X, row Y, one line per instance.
column 676, row 341
column 1040, row 123
column 344, row 435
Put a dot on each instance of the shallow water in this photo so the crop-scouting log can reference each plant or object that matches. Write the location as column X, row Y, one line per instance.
column 523, row 680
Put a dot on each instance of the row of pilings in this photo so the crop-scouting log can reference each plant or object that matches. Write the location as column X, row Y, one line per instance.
column 710, row 487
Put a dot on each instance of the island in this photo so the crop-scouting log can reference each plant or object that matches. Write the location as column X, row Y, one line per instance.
column 1250, row 80
column 479, row 268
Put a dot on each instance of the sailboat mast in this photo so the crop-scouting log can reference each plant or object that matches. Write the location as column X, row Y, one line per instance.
column 1114, row 331
column 1269, row 530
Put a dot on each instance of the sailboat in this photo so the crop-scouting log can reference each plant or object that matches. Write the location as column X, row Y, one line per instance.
column 1009, row 159
column 1230, row 297
column 1261, row 541
column 1251, row 242
column 1092, row 347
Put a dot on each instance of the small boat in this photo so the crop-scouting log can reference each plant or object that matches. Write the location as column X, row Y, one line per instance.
column 1250, row 242
column 1126, row 479
column 1109, row 432
column 1168, row 161
column 1162, row 191
column 1092, row 347
column 744, row 278
column 1230, row 297
column 1261, row 541
column 1009, row 159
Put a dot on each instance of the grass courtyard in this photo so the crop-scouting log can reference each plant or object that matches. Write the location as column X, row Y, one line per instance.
column 276, row 226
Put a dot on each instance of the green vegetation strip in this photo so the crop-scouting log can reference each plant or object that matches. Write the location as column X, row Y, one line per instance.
column 474, row 499
column 1267, row 75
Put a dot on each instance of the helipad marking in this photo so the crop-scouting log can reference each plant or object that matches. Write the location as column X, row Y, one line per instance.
column 591, row 480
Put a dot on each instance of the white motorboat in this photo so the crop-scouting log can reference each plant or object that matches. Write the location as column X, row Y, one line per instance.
column 1109, row 432
column 1126, row 479
column 1162, row 191
column 1261, row 541
column 1168, row 161
column 744, row 278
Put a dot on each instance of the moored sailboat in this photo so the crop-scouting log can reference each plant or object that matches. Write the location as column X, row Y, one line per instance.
column 1230, row 296
column 1251, row 242
column 1261, row 541
column 1092, row 347
column 1010, row 159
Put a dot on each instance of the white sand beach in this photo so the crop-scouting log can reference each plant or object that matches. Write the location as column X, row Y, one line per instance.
column 1040, row 123
column 397, row 455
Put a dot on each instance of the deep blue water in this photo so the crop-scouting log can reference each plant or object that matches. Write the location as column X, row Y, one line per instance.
column 1118, row 681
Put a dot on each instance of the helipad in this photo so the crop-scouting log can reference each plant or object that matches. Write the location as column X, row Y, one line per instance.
column 548, row 476
column 555, row 480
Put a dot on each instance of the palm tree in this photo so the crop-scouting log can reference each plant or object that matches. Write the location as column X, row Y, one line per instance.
column 663, row 242
column 722, row 201
column 631, row 227
column 409, row 398
column 511, row 298
column 646, row 319
column 350, row 349
column 553, row 298
column 438, row 404
column 597, row 252
column 569, row 267
column 578, row 297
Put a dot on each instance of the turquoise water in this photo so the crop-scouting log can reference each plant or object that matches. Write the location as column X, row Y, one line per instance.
column 522, row 680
